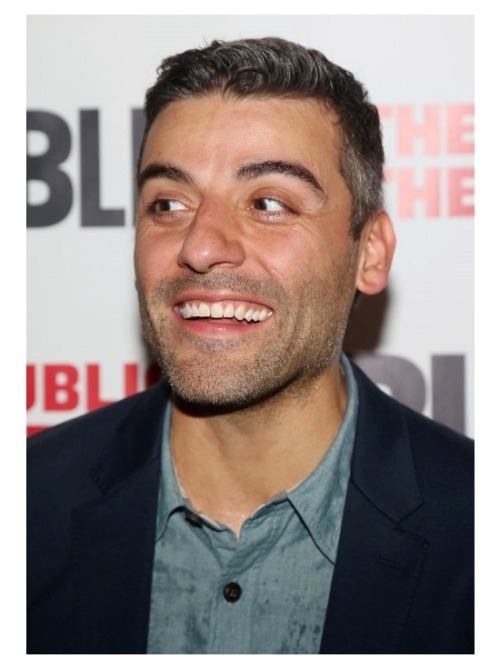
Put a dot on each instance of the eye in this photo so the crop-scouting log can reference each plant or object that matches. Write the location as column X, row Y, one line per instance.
column 167, row 206
column 270, row 205
column 271, row 209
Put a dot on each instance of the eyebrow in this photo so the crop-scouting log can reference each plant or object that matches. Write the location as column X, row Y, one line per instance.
column 247, row 172
column 256, row 169
column 164, row 171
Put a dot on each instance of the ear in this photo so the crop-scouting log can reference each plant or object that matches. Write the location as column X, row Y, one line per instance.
column 376, row 249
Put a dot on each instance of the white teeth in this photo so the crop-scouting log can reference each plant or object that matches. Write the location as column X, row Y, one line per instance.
column 218, row 311
column 239, row 312
column 204, row 311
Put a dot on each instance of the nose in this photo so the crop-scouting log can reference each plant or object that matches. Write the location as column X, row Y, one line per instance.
column 212, row 239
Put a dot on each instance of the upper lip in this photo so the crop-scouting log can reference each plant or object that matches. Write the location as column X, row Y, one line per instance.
column 219, row 296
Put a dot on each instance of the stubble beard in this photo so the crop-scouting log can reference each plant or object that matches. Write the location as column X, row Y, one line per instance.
column 219, row 375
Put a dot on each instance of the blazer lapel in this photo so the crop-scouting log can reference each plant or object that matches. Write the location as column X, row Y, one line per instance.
column 113, row 538
column 378, row 563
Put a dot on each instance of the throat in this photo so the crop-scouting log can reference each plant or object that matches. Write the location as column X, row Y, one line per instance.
column 231, row 464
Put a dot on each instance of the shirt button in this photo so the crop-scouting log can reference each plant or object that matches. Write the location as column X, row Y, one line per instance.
column 193, row 519
column 232, row 592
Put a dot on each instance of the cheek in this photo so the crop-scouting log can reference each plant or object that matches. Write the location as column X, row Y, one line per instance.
column 282, row 253
column 153, row 257
column 303, row 258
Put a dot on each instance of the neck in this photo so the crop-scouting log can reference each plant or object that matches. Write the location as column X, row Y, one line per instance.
column 230, row 464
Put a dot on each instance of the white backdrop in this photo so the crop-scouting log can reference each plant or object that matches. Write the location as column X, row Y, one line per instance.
column 87, row 75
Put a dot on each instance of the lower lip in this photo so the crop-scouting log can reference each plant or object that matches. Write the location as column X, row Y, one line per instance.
column 220, row 327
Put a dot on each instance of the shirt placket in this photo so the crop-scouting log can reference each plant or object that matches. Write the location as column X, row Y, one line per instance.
column 231, row 630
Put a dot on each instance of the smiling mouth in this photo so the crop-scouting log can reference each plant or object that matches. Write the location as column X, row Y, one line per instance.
column 227, row 310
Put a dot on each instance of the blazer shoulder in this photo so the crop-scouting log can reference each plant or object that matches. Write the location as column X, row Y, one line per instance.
column 428, row 429
column 99, row 421
column 78, row 443
column 437, row 451
column 428, row 433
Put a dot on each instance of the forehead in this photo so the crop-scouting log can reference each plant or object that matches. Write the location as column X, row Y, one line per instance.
column 229, row 129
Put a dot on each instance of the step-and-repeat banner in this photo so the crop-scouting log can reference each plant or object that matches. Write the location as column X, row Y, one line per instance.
column 86, row 81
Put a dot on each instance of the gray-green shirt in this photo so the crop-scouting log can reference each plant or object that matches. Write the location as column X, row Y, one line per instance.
column 267, row 592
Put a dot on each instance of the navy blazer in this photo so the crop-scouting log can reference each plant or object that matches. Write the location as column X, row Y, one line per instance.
column 403, row 580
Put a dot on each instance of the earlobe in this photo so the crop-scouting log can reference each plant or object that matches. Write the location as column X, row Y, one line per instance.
column 377, row 245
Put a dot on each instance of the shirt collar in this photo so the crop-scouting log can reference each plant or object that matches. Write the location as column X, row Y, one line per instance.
column 320, row 498
column 170, row 497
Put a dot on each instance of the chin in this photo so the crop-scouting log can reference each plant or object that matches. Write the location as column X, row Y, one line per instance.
column 220, row 395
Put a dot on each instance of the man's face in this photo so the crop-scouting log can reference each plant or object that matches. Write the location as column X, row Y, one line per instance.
column 245, row 265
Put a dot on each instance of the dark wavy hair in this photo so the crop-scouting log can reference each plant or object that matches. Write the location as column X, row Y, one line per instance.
column 273, row 67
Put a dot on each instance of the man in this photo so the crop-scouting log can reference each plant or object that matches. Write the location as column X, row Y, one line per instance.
column 273, row 500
